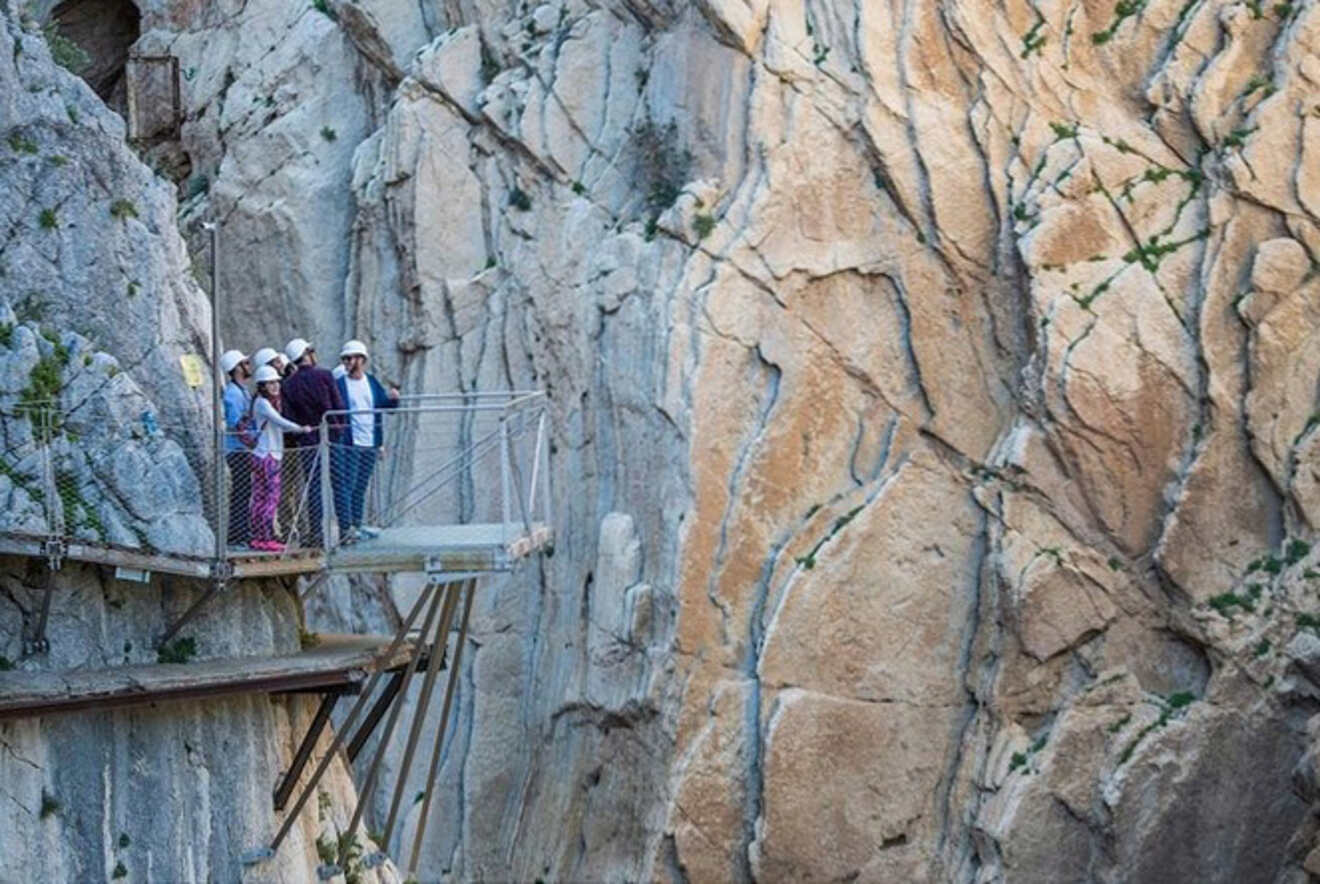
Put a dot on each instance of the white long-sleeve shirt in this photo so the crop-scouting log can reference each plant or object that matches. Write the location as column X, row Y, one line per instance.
column 271, row 426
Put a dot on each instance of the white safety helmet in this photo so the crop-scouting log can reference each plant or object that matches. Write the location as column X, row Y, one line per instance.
column 265, row 374
column 295, row 349
column 230, row 360
column 264, row 356
column 338, row 371
column 354, row 348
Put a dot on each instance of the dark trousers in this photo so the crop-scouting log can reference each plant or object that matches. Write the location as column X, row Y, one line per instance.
column 353, row 475
column 240, row 496
column 310, row 459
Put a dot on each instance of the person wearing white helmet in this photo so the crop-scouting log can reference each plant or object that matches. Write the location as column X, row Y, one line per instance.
column 270, row 426
column 238, row 441
column 309, row 393
column 366, row 398
column 272, row 357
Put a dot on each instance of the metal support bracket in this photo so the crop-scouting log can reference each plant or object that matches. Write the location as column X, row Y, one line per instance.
column 193, row 610
column 55, row 550
column 222, row 571
column 38, row 643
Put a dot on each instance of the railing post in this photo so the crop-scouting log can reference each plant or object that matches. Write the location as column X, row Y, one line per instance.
column 532, row 483
column 544, row 464
column 326, row 489
column 506, row 476
column 45, row 423
column 217, row 403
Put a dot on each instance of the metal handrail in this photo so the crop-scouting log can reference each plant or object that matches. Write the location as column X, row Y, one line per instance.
column 496, row 454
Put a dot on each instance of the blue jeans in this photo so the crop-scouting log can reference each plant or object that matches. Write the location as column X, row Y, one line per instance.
column 353, row 473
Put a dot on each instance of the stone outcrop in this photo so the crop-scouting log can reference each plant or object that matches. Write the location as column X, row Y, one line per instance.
column 933, row 392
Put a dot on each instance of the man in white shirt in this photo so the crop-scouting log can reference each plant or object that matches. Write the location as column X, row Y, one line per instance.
column 365, row 397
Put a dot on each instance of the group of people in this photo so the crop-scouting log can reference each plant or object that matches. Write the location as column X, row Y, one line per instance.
column 292, row 396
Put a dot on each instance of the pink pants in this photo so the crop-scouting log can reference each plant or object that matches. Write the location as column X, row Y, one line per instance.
column 265, row 497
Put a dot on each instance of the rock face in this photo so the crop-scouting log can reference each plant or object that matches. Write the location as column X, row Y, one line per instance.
column 933, row 393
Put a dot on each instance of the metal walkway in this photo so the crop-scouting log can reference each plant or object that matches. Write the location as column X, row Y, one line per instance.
column 460, row 490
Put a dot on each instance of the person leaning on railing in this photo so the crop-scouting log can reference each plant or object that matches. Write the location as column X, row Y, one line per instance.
column 270, row 427
column 309, row 393
column 238, row 442
column 365, row 397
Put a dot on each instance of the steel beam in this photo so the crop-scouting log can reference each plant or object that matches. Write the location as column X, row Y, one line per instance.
column 286, row 784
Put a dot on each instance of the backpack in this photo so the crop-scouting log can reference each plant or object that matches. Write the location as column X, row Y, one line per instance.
column 246, row 427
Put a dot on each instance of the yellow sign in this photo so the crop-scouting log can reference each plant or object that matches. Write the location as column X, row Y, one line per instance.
column 193, row 373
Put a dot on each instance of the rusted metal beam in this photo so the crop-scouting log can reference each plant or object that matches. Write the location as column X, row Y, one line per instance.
column 373, row 772
column 423, row 706
column 434, row 769
column 290, row 778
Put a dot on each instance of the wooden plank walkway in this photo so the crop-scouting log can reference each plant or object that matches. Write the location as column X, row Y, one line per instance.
column 337, row 661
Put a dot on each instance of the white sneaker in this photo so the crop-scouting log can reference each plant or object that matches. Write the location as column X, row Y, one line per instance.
column 367, row 532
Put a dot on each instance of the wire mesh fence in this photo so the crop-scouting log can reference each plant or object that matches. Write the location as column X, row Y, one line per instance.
column 131, row 484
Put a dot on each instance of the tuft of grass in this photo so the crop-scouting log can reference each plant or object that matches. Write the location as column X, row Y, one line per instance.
column 325, row 850
column 662, row 164
column 1262, row 648
column 22, row 144
column 1181, row 699
column 579, row 188
column 1018, row 760
column 178, row 651
column 1033, row 39
column 323, row 7
column 5, row 663
column 308, row 639
column 1123, row 10
column 703, row 224
column 63, row 51
column 1120, row 724
column 519, row 199
column 1225, row 602
column 1295, row 551
column 49, row 804
column 122, row 208
column 328, row 134
column 1308, row 621
column 124, row 840
column 120, row 871
column 47, row 219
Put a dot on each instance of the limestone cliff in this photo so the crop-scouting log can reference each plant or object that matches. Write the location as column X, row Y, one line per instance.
column 933, row 389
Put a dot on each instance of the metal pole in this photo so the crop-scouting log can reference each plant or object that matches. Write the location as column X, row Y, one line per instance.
column 326, row 490
column 373, row 772
column 217, row 400
column 505, row 479
column 455, row 665
column 438, row 645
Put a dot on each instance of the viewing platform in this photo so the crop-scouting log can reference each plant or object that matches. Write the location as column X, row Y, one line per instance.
column 460, row 487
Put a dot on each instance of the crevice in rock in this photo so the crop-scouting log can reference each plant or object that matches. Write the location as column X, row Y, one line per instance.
column 103, row 31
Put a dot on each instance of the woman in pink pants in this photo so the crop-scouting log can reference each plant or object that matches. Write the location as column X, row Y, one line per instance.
column 270, row 426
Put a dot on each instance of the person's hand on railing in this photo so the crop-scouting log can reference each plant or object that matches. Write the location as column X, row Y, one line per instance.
column 306, row 429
